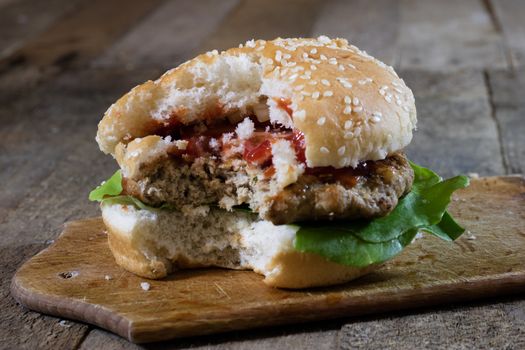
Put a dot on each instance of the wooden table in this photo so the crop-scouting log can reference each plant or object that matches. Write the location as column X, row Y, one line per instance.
column 63, row 62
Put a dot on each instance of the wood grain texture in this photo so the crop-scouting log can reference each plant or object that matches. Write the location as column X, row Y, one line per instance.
column 372, row 26
column 439, row 35
column 21, row 328
column 170, row 35
column 23, row 19
column 509, row 111
column 511, row 14
column 456, row 132
column 264, row 19
column 494, row 326
column 68, row 279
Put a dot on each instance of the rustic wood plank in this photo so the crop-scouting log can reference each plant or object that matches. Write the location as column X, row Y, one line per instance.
column 169, row 35
column 511, row 14
column 81, row 35
column 319, row 336
column 496, row 326
column 75, row 39
column 456, row 132
column 196, row 302
column 20, row 20
column 48, row 149
column 370, row 25
column 448, row 34
column 509, row 111
column 264, row 19
column 24, row 329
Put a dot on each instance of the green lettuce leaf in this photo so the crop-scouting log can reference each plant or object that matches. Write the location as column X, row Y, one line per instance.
column 110, row 188
column 361, row 243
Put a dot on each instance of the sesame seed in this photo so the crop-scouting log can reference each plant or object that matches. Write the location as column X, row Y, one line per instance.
column 305, row 55
column 361, row 82
column 346, row 84
column 278, row 55
column 382, row 92
column 384, row 87
column 351, row 65
column 145, row 286
column 358, row 109
column 388, row 99
column 332, row 60
column 325, row 82
column 375, row 119
column 399, row 102
column 348, row 100
column 324, row 39
column 377, row 114
column 405, row 108
column 300, row 114
column 348, row 124
column 313, row 51
column 341, row 67
column 315, row 94
column 305, row 93
column 305, row 76
column 313, row 67
column 312, row 82
column 395, row 83
column 299, row 87
column 398, row 90
column 287, row 56
column 321, row 121
column 260, row 48
column 348, row 135
column 341, row 150
column 250, row 43
column 324, row 150
column 344, row 161
column 347, row 110
column 328, row 93
column 323, row 57
column 292, row 77
column 355, row 101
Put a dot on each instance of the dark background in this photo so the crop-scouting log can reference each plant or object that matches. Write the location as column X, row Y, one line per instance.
column 63, row 62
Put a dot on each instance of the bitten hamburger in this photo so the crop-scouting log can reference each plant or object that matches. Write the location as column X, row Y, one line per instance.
column 284, row 156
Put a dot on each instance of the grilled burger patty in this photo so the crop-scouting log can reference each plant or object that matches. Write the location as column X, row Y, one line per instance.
column 370, row 190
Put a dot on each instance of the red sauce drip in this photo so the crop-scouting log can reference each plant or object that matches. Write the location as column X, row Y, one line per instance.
column 258, row 151
column 284, row 104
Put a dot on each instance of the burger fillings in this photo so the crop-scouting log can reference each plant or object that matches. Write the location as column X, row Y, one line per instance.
column 283, row 157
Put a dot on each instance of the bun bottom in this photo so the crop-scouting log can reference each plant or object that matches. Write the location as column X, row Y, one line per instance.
column 153, row 244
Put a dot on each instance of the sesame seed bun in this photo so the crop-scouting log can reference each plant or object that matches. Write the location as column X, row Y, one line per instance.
column 350, row 106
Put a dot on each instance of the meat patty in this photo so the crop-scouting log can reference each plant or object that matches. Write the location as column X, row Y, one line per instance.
column 370, row 190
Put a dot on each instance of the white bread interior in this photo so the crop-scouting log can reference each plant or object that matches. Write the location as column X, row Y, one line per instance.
column 350, row 106
column 154, row 243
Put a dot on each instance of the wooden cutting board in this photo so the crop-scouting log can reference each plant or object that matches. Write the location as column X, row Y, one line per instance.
column 68, row 279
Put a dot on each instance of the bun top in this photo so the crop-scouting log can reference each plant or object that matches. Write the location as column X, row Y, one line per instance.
column 350, row 106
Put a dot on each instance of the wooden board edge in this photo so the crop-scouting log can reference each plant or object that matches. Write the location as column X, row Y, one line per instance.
column 509, row 284
column 70, row 309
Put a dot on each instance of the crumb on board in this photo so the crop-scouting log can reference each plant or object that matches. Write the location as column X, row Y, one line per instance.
column 64, row 323
column 473, row 175
column 108, row 277
column 145, row 285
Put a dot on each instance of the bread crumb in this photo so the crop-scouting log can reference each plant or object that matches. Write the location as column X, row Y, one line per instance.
column 181, row 144
column 245, row 129
column 108, row 277
column 145, row 286
column 473, row 175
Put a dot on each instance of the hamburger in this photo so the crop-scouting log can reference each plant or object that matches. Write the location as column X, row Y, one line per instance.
column 284, row 157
